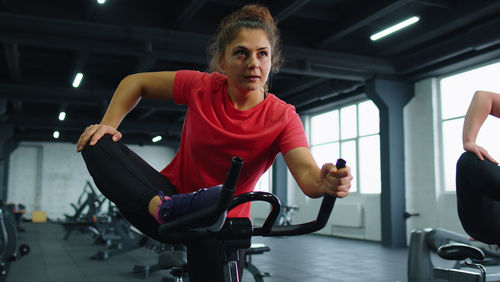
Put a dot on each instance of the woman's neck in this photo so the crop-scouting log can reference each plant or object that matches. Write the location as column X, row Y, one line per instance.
column 245, row 100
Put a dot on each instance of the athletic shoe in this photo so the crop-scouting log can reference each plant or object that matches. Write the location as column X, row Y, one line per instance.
column 178, row 205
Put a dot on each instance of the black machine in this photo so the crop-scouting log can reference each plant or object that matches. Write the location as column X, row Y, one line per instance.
column 10, row 249
column 237, row 232
column 470, row 263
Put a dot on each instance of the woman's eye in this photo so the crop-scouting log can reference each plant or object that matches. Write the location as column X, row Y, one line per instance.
column 240, row 53
column 263, row 54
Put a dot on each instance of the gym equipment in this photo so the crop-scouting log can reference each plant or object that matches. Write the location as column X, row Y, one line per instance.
column 85, row 211
column 286, row 215
column 237, row 232
column 471, row 263
column 175, row 259
column 10, row 250
column 117, row 234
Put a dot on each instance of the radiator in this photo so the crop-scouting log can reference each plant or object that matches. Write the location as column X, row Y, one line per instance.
column 348, row 215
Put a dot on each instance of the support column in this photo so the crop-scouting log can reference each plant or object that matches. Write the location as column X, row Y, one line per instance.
column 280, row 171
column 6, row 147
column 391, row 96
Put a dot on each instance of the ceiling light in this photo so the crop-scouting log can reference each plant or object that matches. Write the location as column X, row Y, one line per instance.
column 78, row 79
column 394, row 28
column 156, row 139
column 62, row 116
column 101, row 1
column 56, row 134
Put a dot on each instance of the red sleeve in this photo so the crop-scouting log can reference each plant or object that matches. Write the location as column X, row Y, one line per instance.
column 293, row 135
column 183, row 83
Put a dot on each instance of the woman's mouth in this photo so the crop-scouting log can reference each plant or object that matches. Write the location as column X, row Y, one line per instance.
column 252, row 77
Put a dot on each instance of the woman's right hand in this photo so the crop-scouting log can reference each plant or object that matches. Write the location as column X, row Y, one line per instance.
column 480, row 152
column 94, row 132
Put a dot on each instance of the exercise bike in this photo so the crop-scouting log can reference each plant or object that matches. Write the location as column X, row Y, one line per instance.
column 471, row 264
column 236, row 233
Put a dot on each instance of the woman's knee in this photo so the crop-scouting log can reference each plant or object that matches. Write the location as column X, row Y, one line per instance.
column 103, row 144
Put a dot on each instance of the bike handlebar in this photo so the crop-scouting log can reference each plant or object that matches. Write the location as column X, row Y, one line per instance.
column 268, row 230
column 177, row 230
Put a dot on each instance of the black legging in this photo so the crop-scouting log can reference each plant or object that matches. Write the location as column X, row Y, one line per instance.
column 129, row 182
column 478, row 198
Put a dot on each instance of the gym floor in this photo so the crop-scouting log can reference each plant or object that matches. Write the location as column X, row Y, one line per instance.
column 310, row 258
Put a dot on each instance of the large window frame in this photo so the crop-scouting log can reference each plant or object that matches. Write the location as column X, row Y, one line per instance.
column 358, row 158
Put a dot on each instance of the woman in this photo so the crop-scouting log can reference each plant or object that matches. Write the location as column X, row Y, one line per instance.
column 230, row 113
column 478, row 174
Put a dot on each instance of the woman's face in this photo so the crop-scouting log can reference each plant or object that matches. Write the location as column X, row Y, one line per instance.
column 247, row 60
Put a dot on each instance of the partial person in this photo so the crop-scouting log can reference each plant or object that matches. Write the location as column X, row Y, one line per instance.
column 478, row 174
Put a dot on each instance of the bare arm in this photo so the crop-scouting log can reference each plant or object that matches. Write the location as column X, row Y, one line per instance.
column 483, row 103
column 158, row 85
column 312, row 180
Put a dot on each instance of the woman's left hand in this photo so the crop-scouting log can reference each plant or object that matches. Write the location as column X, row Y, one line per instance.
column 336, row 182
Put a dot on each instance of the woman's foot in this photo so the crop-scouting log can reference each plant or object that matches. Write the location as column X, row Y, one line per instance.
column 168, row 208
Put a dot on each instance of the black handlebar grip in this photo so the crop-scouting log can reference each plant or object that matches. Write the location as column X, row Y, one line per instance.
column 340, row 163
column 324, row 213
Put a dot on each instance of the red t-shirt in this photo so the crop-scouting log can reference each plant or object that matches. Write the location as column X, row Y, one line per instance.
column 214, row 131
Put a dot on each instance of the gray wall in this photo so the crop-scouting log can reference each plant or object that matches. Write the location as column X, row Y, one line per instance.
column 50, row 176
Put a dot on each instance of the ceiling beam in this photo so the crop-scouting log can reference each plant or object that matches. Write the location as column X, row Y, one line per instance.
column 188, row 12
column 445, row 28
column 290, row 9
column 300, row 86
column 130, row 126
column 72, row 137
column 364, row 22
column 471, row 41
column 180, row 46
column 324, row 91
column 58, row 95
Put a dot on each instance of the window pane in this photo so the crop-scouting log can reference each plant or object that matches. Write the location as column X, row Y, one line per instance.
column 452, row 149
column 264, row 183
column 489, row 136
column 325, row 127
column 327, row 153
column 457, row 90
column 348, row 150
column 369, row 165
column 368, row 118
column 348, row 121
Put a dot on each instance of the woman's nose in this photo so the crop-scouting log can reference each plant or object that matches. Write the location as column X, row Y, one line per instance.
column 253, row 62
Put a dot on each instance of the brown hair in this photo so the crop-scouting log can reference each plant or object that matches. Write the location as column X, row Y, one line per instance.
column 250, row 16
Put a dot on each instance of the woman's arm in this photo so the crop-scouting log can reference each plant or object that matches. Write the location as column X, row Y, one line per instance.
column 483, row 103
column 158, row 85
column 312, row 180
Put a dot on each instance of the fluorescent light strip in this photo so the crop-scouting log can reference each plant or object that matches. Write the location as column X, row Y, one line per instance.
column 62, row 116
column 156, row 139
column 78, row 79
column 101, row 1
column 394, row 28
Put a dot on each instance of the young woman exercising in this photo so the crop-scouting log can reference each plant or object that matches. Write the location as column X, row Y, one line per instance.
column 230, row 113
column 478, row 174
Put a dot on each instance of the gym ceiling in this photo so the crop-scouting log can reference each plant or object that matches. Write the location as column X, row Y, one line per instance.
column 326, row 44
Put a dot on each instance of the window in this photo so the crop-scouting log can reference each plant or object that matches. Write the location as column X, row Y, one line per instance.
column 265, row 182
column 456, row 94
column 350, row 132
